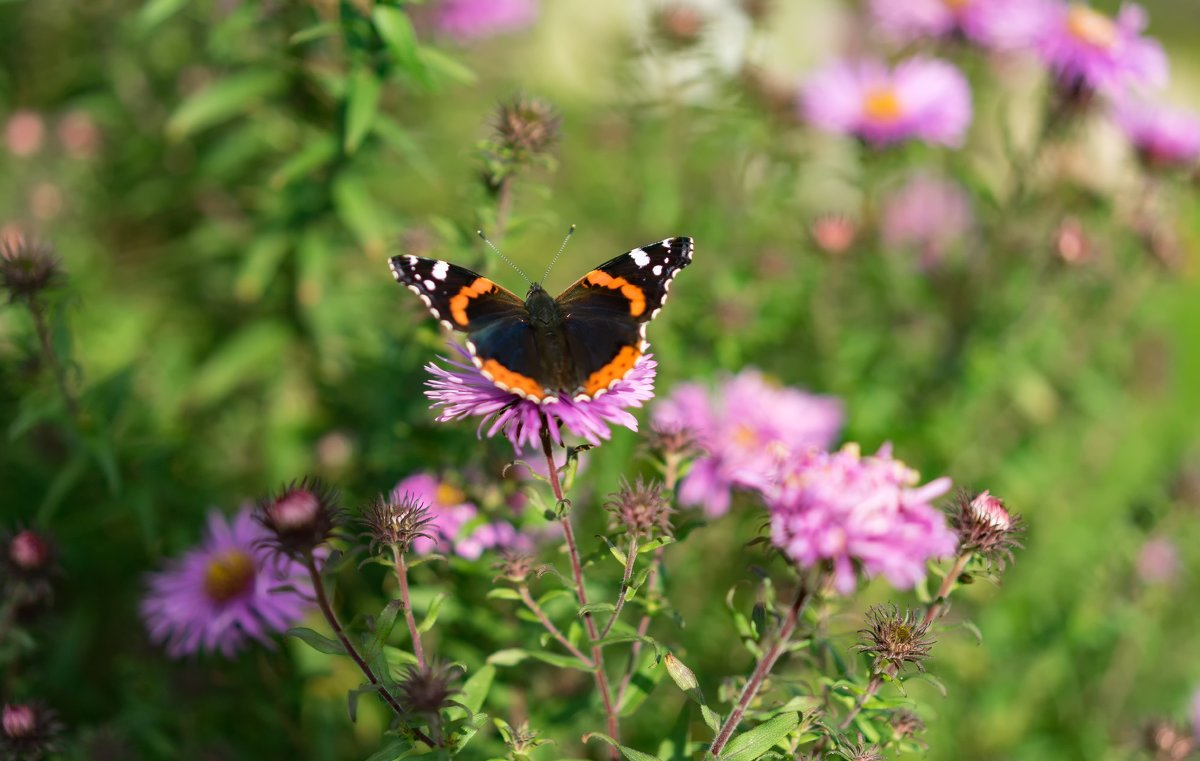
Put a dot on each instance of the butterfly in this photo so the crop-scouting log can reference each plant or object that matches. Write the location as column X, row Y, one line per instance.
column 576, row 345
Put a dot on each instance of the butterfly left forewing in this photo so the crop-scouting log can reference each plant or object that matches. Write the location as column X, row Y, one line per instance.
column 457, row 297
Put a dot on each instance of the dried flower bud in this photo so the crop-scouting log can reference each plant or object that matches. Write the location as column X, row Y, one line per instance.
column 1167, row 742
column 893, row 639
column 26, row 268
column 678, row 25
column 641, row 510
column 905, row 724
column 397, row 524
column 834, row 233
column 861, row 751
column 30, row 731
column 428, row 689
column 985, row 527
column 515, row 566
column 671, row 440
column 521, row 739
column 300, row 517
column 526, row 127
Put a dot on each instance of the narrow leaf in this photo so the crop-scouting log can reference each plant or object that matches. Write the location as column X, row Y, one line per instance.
column 318, row 642
column 627, row 752
column 431, row 616
column 754, row 743
column 362, row 103
column 224, row 99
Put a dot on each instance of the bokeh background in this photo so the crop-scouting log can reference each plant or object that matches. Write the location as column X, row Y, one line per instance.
column 223, row 182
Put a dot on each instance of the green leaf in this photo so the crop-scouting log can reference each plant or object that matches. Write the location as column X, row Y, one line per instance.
column 352, row 697
column 442, row 64
column 156, row 12
column 224, row 99
column 475, row 689
column 362, row 103
column 597, row 607
column 627, row 752
column 503, row 593
column 756, row 742
column 251, row 353
column 686, row 680
column 616, row 551
column 398, row 34
column 654, row 544
column 316, row 32
column 562, row 661
column 645, row 678
column 508, row 657
column 316, row 153
column 431, row 615
column 383, row 628
column 318, row 642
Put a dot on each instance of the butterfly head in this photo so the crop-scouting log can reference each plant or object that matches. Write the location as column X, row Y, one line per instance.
column 543, row 309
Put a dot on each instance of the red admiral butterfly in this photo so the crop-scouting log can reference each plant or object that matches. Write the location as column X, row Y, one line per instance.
column 577, row 345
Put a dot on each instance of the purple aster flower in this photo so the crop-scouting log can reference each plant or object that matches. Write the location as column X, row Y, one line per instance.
column 467, row 20
column 1162, row 136
column 461, row 391
column 743, row 427
column 999, row 24
column 230, row 588
column 454, row 522
column 855, row 512
column 927, row 214
column 1089, row 51
column 921, row 98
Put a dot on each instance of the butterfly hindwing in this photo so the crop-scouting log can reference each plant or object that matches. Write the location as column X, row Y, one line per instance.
column 459, row 298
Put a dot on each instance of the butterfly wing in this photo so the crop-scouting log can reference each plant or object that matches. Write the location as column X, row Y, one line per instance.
column 496, row 322
column 606, row 311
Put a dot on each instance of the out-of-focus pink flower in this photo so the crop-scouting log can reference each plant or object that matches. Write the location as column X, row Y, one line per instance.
column 920, row 99
column 1196, row 715
column 462, row 391
column 853, row 512
column 1163, row 136
column 230, row 588
column 1158, row 561
column 1090, row 51
column 24, row 133
column 743, row 428
column 467, row 20
column 928, row 214
column 999, row 24
column 451, row 520
column 79, row 135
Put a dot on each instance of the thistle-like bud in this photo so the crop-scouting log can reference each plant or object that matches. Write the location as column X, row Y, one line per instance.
column 641, row 510
column 905, row 724
column 986, row 528
column 27, row 268
column 300, row 516
column 427, row 690
column 861, row 751
column 521, row 739
column 678, row 25
column 671, row 440
column 893, row 639
column 28, row 731
column 398, row 524
column 26, row 569
column 515, row 566
column 29, row 553
column 526, row 127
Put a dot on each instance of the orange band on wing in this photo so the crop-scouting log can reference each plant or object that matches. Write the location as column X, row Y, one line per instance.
column 514, row 381
column 637, row 299
column 614, row 370
column 459, row 302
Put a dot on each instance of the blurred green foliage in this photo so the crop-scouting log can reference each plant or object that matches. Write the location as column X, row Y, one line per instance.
column 227, row 322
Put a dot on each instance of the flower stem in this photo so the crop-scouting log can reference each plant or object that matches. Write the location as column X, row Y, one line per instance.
column 589, row 621
column 536, row 609
column 504, row 201
column 872, row 688
column 402, row 579
column 327, row 611
column 765, row 664
column 37, row 311
column 935, row 608
column 630, row 560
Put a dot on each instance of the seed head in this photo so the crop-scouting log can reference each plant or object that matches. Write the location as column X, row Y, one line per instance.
column 27, row 268
column 985, row 527
column 861, row 751
column 28, row 731
column 526, row 127
column 515, row 566
column 641, row 510
column 427, row 690
column 396, row 524
column 892, row 639
column 905, row 724
column 300, row 516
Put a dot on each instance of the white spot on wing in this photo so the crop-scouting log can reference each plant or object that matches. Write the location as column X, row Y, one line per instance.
column 410, row 259
column 440, row 269
column 640, row 257
column 657, row 270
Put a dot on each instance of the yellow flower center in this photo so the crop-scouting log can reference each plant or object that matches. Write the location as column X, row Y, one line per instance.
column 956, row 5
column 228, row 575
column 447, row 494
column 744, row 436
column 882, row 105
column 1091, row 27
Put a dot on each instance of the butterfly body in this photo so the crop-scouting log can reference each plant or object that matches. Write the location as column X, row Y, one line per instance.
column 543, row 348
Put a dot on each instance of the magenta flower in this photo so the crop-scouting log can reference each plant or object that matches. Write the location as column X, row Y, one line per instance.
column 1162, row 136
column 1088, row 50
column 467, row 20
column 856, row 512
column 927, row 214
column 922, row 99
column 743, row 427
column 998, row 24
column 1158, row 561
column 462, row 391
column 454, row 522
column 228, row 589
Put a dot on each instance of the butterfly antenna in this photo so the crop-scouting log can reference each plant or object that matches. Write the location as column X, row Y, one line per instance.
column 507, row 261
column 560, row 250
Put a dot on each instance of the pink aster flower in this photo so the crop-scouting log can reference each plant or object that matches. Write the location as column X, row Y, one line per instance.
column 1196, row 715
column 927, row 214
column 1090, row 51
column 999, row 24
column 461, row 391
column 1158, row 561
column 1162, row 136
column 454, row 525
column 852, row 512
column 467, row 20
column 743, row 427
column 921, row 98
column 228, row 589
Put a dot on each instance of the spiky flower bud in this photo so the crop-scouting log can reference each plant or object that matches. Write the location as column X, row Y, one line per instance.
column 300, row 516
column 986, row 528
column 28, row 731
column 861, row 751
column 905, row 724
column 893, row 639
column 515, row 566
column 526, row 127
column 671, row 440
column 29, row 553
column 640, row 509
column 27, row 268
column 398, row 524
column 428, row 689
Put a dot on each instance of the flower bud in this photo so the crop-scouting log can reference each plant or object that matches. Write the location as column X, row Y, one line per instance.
column 1166, row 742
column 300, row 517
column 26, row 268
column 428, row 689
column 641, row 510
column 985, row 526
column 834, row 233
column 678, row 25
column 398, row 524
column 29, row 731
column 28, row 552
column 893, row 639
